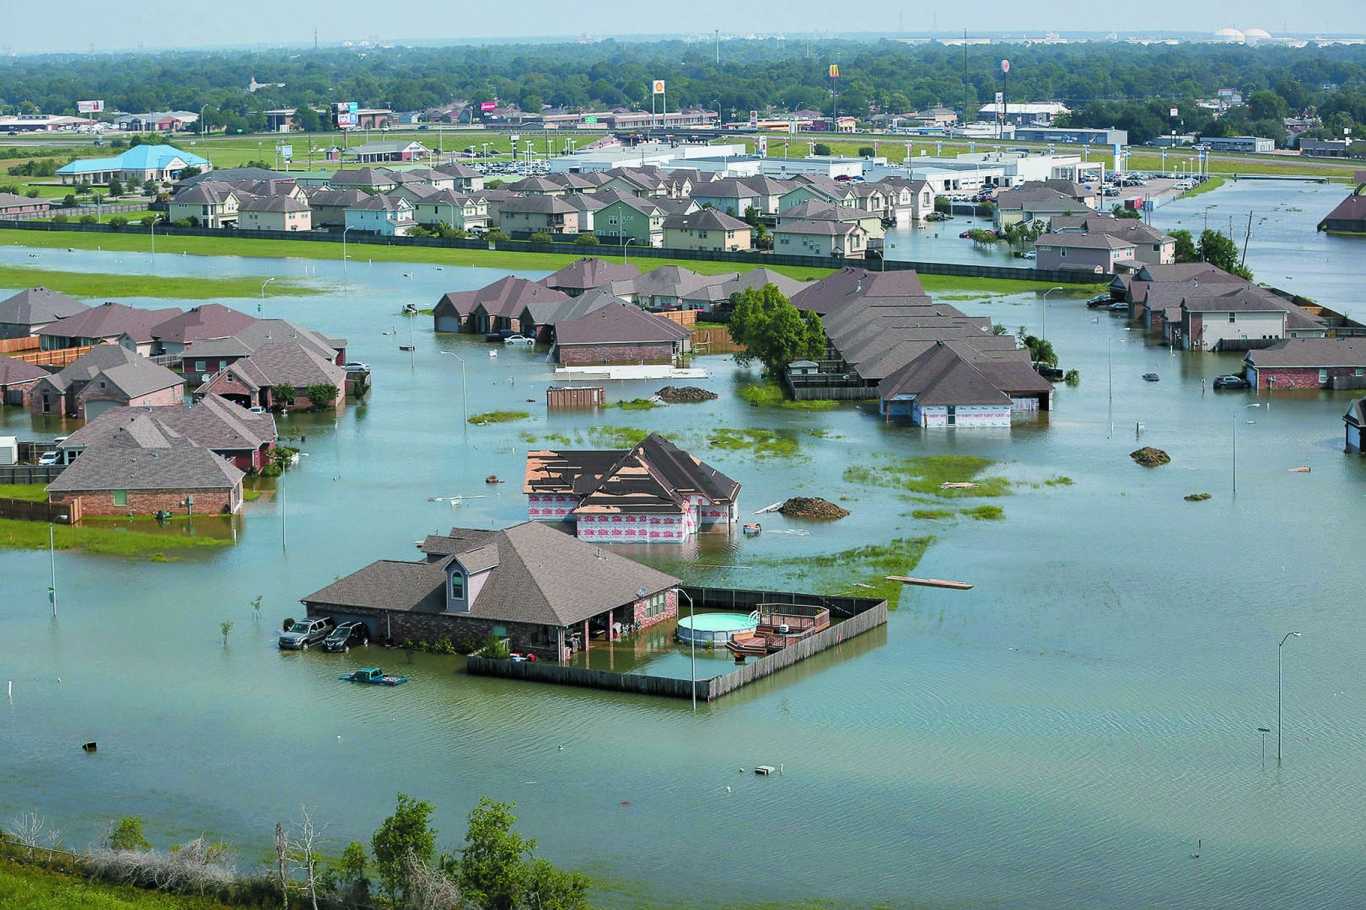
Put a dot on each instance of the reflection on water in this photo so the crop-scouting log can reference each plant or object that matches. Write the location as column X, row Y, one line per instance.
column 1059, row 736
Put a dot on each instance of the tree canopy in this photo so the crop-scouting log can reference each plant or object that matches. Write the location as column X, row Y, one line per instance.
column 773, row 331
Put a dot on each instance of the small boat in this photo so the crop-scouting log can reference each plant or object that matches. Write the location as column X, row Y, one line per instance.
column 407, row 348
column 410, row 309
column 1151, row 377
column 491, row 479
column 753, row 529
column 373, row 676
column 493, row 353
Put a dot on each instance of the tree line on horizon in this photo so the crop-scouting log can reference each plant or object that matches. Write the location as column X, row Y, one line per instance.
column 1127, row 86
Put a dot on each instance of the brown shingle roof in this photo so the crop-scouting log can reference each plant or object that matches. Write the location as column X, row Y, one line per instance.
column 618, row 323
column 177, row 467
column 38, row 306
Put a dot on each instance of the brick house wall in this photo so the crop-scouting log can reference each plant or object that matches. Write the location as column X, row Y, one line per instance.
column 641, row 610
column 591, row 354
column 148, row 502
column 466, row 633
column 92, row 392
column 1301, row 377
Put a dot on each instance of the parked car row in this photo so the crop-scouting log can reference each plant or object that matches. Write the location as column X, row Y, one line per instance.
column 332, row 636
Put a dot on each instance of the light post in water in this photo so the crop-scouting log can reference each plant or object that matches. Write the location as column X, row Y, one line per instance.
column 1280, row 679
column 692, row 639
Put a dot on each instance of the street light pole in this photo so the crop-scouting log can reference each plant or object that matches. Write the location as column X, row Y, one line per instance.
column 1235, row 447
column 154, row 240
column 344, row 232
column 1045, row 309
column 625, row 243
column 1280, row 679
column 263, row 293
column 693, row 641
column 464, row 400
column 52, row 561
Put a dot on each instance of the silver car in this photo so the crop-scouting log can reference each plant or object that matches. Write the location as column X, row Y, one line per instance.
column 305, row 632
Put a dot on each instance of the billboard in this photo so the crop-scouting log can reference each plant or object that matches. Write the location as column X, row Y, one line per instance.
column 834, row 71
column 347, row 114
column 90, row 107
column 657, row 87
column 486, row 106
column 762, row 150
column 286, row 152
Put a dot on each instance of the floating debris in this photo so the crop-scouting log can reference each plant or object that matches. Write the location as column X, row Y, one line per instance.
column 685, row 394
column 812, row 507
column 1198, row 497
column 1302, row 469
column 1150, row 457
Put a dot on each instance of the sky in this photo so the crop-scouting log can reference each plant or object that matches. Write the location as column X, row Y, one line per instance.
column 162, row 24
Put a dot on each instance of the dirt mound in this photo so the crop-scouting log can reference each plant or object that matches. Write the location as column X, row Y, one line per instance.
column 812, row 507
column 1150, row 457
column 684, row 394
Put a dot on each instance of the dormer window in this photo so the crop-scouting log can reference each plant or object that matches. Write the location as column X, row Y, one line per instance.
column 457, row 586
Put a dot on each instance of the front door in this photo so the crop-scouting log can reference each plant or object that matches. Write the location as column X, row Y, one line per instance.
column 952, row 415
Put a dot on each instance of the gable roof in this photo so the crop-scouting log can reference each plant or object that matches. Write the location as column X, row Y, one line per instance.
column 553, row 312
column 851, row 284
column 706, row 220
column 283, row 363
column 1312, row 353
column 1081, row 241
column 208, row 320
column 618, row 323
column 38, row 306
column 590, row 272
column 942, row 376
column 14, row 371
column 92, row 363
column 213, row 422
column 139, row 377
column 505, row 297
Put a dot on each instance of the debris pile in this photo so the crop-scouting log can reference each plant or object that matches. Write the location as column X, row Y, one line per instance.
column 684, row 394
column 1150, row 457
column 1197, row 497
column 812, row 507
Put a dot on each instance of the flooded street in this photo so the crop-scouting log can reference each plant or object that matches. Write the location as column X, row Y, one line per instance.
column 1060, row 736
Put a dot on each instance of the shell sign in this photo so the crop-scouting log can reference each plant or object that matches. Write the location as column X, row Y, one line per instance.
column 657, row 87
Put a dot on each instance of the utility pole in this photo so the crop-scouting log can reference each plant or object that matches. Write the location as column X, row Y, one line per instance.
column 717, row 33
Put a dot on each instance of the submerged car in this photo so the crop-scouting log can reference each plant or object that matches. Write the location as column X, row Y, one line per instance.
column 304, row 633
column 347, row 634
column 1231, row 381
column 1100, row 300
column 373, row 676
column 519, row 339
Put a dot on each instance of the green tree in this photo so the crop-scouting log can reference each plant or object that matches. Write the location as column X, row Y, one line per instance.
column 407, row 834
column 549, row 888
column 866, row 151
column 1185, row 246
column 126, row 834
column 1220, row 251
column 493, row 865
column 821, row 149
column 774, row 331
column 116, row 187
column 1040, row 350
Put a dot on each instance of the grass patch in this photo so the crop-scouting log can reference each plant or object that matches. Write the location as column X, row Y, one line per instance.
column 861, row 571
column 636, row 404
column 30, row 492
column 770, row 395
column 1062, row 480
column 94, row 284
column 489, row 417
column 985, row 513
column 1198, row 497
column 93, row 536
column 610, row 437
column 42, row 889
column 942, row 283
column 927, row 474
column 1209, row 186
column 762, row 443
column 932, row 514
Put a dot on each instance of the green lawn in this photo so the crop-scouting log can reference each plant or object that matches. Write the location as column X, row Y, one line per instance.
column 770, row 395
column 31, row 492
column 31, row 888
column 98, row 536
column 1208, row 186
column 488, row 417
column 103, row 286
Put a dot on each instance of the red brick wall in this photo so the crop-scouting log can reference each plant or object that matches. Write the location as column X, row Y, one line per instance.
column 206, row 502
column 1297, row 377
column 590, row 354
column 670, row 611
column 92, row 392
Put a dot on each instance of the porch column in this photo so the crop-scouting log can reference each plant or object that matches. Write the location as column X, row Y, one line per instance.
column 585, row 636
column 611, row 626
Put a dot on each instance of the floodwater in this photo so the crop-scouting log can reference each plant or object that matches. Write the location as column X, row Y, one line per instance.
column 1062, row 735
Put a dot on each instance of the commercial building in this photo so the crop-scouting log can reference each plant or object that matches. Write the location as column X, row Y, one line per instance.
column 1024, row 113
column 135, row 166
column 1239, row 144
column 1072, row 135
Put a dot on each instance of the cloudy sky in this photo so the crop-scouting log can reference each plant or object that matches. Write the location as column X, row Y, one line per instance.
column 83, row 24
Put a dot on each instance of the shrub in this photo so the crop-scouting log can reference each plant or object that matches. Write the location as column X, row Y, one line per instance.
column 116, row 187
column 60, row 218
column 282, row 396
column 148, row 220
column 1071, row 377
column 587, row 240
column 821, row 149
column 89, row 219
column 126, row 834
column 866, row 151
column 495, row 236
column 540, row 237
column 322, row 395
column 69, row 201
column 118, row 222
column 495, row 647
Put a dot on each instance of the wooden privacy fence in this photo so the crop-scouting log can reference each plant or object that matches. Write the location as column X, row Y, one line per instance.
column 30, row 473
column 25, row 343
column 575, row 397
column 66, row 513
column 55, row 358
column 714, row 340
column 578, row 676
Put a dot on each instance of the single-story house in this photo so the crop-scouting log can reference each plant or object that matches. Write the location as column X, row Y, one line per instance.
column 107, row 377
column 208, row 320
column 837, row 239
column 15, row 207
column 672, row 287
column 135, row 166
column 274, row 213
column 142, row 476
column 706, row 229
column 17, row 379
column 1308, row 363
column 257, row 380
column 540, row 317
column 1348, row 216
column 585, row 274
column 619, row 333
column 542, row 590
column 108, row 323
column 224, row 427
column 653, row 492
column 493, row 308
column 29, row 311
column 208, row 354
column 1076, row 251
column 951, row 385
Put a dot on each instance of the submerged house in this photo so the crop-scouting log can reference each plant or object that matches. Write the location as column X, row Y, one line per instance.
column 952, row 385
column 142, row 469
column 653, row 492
column 619, row 333
column 1355, row 421
column 107, row 377
column 541, row 590
column 227, row 429
column 492, row 308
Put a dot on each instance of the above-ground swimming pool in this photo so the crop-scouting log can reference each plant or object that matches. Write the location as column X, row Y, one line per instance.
column 715, row 628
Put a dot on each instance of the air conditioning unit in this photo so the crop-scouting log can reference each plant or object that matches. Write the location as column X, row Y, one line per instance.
column 784, row 629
